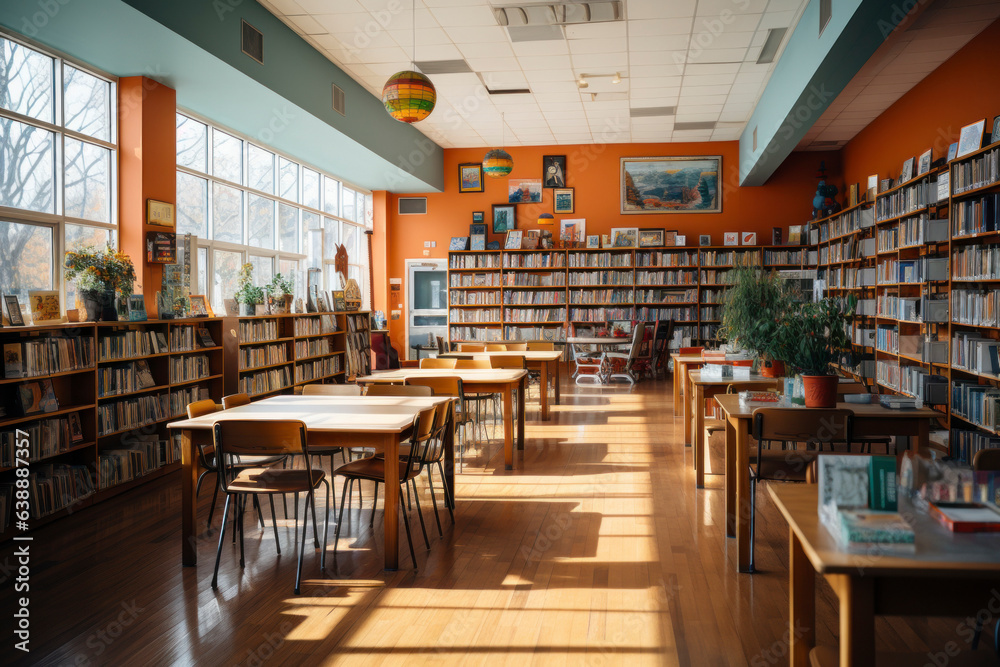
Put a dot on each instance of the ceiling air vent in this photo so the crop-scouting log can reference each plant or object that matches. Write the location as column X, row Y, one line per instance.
column 558, row 13
column 651, row 112
column 252, row 42
column 771, row 44
column 432, row 67
column 825, row 13
column 700, row 125
column 339, row 100
column 412, row 205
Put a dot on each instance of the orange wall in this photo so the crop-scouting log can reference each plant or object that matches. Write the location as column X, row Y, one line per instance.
column 148, row 170
column 593, row 170
column 931, row 115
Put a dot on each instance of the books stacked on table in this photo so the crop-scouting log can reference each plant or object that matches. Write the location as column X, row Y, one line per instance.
column 873, row 532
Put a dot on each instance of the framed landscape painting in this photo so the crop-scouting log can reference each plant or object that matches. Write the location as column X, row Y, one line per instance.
column 470, row 177
column 671, row 184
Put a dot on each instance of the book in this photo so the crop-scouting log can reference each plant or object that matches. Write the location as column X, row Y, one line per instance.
column 205, row 337
column 36, row 397
column 882, row 483
column 843, row 484
column 75, row 429
column 13, row 364
column 875, row 532
column 143, row 376
column 967, row 517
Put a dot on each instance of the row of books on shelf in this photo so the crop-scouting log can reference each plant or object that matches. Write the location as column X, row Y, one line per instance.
column 488, row 279
column 977, row 215
column 978, row 404
column 972, row 352
column 539, row 297
column 887, row 339
column 666, row 277
column 730, row 258
column 52, row 487
column 666, row 258
column 909, row 199
column 265, row 381
column 479, row 315
column 847, row 222
column 599, row 314
column 358, row 361
column 47, row 355
column 976, row 262
column 29, row 398
column 470, row 298
column 124, row 378
column 325, row 323
column 187, row 338
column 667, row 296
column 713, row 277
column 46, row 437
column 258, row 331
column 131, row 413
column 965, row 444
column 888, row 238
column 534, row 314
column 533, row 260
column 358, row 322
column 601, row 278
column 975, row 307
column 601, row 296
column 600, row 259
column 475, row 334
column 553, row 334
column 529, row 280
column 180, row 398
column 976, row 172
column 474, row 261
column 312, row 347
column 189, row 367
column 143, row 455
column 131, row 343
column 921, row 230
column 317, row 369
column 262, row 355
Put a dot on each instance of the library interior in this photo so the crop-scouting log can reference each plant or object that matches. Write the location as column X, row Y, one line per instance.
column 744, row 410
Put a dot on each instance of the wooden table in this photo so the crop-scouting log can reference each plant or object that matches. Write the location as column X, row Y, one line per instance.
column 699, row 389
column 683, row 362
column 546, row 362
column 868, row 420
column 493, row 381
column 951, row 574
column 331, row 421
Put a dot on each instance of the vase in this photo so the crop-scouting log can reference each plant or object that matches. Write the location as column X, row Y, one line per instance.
column 770, row 368
column 95, row 306
column 820, row 390
column 246, row 309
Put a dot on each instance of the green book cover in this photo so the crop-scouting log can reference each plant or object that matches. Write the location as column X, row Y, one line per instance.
column 882, row 483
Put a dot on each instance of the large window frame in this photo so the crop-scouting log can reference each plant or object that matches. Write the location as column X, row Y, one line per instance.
column 311, row 243
column 57, row 222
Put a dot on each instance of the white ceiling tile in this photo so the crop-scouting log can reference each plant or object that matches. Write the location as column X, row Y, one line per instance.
column 332, row 7
column 660, row 58
column 658, row 43
column 588, row 46
column 307, row 25
column 777, row 20
column 719, row 68
column 548, row 64
column 710, row 111
column 715, row 56
column 545, row 75
column 709, row 79
column 286, row 7
column 659, row 27
column 720, row 7
column 697, row 100
column 706, row 90
column 436, row 52
column 659, row 9
column 466, row 15
column 486, row 50
column 603, row 30
column 655, row 82
column 546, row 99
column 361, row 24
column 729, row 39
column 493, row 64
column 476, row 34
column 547, row 48
column 508, row 79
column 433, row 35
column 394, row 55
column 600, row 62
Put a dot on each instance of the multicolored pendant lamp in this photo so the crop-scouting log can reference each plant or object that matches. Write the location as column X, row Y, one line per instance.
column 498, row 162
column 409, row 96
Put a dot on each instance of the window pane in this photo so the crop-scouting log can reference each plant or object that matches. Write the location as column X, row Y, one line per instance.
column 192, row 144
column 192, row 205
column 331, row 190
column 227, row 214
column 288, row 228
column 313, row 248
column 350, row 211
column 88, row 177
column 331, row 238
column 263, row 269
column 81, row 236
column 28, row 81
column 369, row 211
column 288, row 179
column 25, row 259
column 202, row 270
column 27, row 167
column 289, row 268
column 261, row 218
column 260, row 169
column 310, row 188
column 86, row 102
column 349, row 237
column 227, row 157
column 227, row 271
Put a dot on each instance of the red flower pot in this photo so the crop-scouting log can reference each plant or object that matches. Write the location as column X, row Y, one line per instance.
column 772, row 369
column 820, row 390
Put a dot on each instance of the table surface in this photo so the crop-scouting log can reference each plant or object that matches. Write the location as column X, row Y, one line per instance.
column 938, row 549
column 599, row 340
column 697, row 379
column 731, row 405
column 371, row 414
column 530, row 355
column 468, row 375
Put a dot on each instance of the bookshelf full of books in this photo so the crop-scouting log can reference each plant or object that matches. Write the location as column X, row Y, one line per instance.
column 475, row 283
column 601, row 286
column 533, row 294
column 319, row 348
column 716, row 263
column 358, row 343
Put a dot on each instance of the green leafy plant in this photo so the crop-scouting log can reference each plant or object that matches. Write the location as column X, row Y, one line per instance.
column 100, row 270
column 751, row 308
column 812, row 336
column 246, row 291
column 279, row 286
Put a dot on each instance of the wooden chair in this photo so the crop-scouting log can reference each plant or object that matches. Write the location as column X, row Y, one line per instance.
column 540, row 346
column 643, row 362
column 247, row 437
column 471, row 347
column 373, row 469
column 715, row 429
column 588, row 365
column 661, row 348
column 450, row 386
column 516, row 347
column 397, row 390
column 472, row 364
column 235, row 401
column 815, row 427
column 620, row 364
column 331, row 390
column 496, row 347
column 437, row 363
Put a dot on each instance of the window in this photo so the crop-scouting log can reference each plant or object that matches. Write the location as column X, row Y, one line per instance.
column 58, row 165
column 248, row 204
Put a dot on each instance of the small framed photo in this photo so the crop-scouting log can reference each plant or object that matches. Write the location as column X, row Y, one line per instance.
column 625, row 237
column 75, row 428
column 651, row 238
column 852, row 197
column 504, row 218
column 339, row 301
column 563, row 200
column 971, row 138
column 478, row 217
column 513, row 241
column 199, row 306
column 159, row 213
column 907, row 173
column 952, row 151
column 704, row 239
column 44, row 306
column 478, row 242
column 554, row 171
column 731, row 238
column 670, row 237
column 594, row 241
column 477, row 229
column 606, row 241
column 871, row 187
column 924, row 162
column 136, row 308
column 680, row 240
column 524, row 191
column 459, row 243
column 470, row 177
column 748, row 238
column 995, row 134
column 232, row 308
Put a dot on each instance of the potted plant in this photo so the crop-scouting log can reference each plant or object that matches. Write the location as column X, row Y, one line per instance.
column 751, row 308
column 811, row 337
column 279, row 294
column 247, row 294
column 100, row 275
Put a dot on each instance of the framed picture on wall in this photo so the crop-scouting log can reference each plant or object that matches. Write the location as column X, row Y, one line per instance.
column 470, row 177
column 159, row 213
column 563, row 200
column 907, row 172
column 504, row 218
column 524, row 191
column 971, row 138
column 478, row 217
column 924, row 162
column 688, row 184
column 652, row 237
column 199, row 306
column 554, row 171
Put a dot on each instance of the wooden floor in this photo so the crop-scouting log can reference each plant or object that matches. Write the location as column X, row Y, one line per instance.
column 596, row 550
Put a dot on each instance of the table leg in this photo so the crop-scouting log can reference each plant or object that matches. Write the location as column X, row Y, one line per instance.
column 802, row 610
column 544, row 389
column 698, row 437
column 390, row 446
column 189, row 502
column 449, row 461
column 742, row 497
column 923, row 436
column 522, row 390
column 730, row 479
column 508, row 428
column 857, row 619
column 557, row 378
column 686, row 389
column 678, row 408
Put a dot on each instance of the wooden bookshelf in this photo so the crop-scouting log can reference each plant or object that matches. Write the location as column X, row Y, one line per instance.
column 358, row 343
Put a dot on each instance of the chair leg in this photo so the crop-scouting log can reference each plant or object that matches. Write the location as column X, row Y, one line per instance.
column 447, row 492
column 302, row 547
column 406, row 525
column 236, row 509
column 420, row 515
column 340, row 519
column 312, row 504
column 211, row 508
column 409, row 501
column 197, row 487
column 274, row 522
column 371, row 521
column 326, row 523
column 260, row 513
column 437, row 516
column 239, row 520
column 222, row 537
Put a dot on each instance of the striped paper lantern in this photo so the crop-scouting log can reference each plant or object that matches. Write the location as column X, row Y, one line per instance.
column 497, row 163
column 409, row 97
